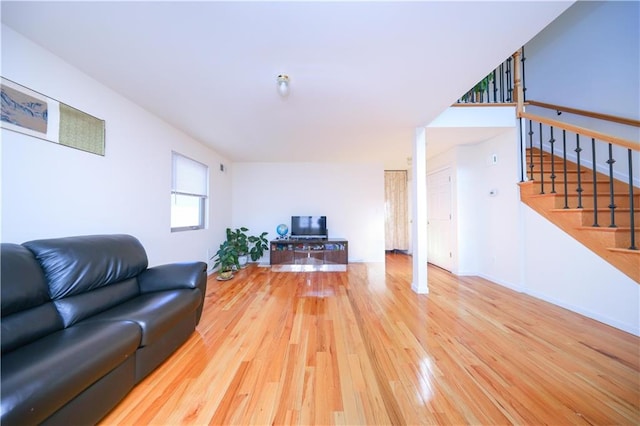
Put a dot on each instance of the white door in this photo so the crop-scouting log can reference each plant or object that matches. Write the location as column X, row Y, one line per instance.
column 439, row 250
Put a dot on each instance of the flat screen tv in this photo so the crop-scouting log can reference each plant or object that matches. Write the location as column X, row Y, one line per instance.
column 309, row 226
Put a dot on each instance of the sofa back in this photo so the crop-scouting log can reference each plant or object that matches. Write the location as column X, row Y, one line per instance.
column 27, row 310
column 89, row 274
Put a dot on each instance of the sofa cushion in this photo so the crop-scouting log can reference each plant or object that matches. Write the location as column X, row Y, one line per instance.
column 75, row 308
column 27, row 326
column 74, row 265
column 155, row 313
column 39, row 378
column 27, row 311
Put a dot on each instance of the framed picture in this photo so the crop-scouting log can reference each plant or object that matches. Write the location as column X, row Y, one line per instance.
column 34, row 114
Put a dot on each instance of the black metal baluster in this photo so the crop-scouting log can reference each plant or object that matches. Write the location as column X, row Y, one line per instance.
column 509, row 81
column 578, row 150
column 531, row 150
column 564, row 168
column 612, row 204
column 495, row 88
column 524, row 86
column 553, row 164
column 541, row 163
column 502, row 82
column 632, row 223
column 595, row 183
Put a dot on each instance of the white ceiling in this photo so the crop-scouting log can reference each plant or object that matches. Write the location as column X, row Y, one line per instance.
column 363, row 75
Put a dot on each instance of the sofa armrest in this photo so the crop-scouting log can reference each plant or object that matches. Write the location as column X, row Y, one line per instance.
column 173, row 276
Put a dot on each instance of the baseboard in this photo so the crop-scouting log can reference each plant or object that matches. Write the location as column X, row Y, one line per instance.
column 506, row 284
column 629, row 328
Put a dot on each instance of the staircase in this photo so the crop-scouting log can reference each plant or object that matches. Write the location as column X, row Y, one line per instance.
column 548, row 199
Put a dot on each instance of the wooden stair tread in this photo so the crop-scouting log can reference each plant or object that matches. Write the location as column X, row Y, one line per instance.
column 590, row 209
column 585, row 195
column 616, row 196
column 585, row 182
column 605, row 228
column 625, row 250
column 569, row 171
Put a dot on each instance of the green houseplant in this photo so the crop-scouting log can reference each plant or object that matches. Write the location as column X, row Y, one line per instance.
column 234, row 252
column 247, row 245
column 227, row 259
column 239, row 240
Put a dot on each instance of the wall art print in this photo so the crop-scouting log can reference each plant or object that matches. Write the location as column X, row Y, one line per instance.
column 26, row 111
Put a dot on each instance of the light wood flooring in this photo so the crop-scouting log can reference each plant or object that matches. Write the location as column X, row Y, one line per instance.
column 359, row 347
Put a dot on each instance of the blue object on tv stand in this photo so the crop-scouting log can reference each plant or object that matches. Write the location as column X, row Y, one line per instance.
column 282, row 231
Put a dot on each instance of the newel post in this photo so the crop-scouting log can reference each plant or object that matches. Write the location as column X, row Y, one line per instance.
column 518, row 91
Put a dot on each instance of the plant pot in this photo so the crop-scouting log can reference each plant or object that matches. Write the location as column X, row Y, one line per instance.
column 243, row 260
column 225, row 275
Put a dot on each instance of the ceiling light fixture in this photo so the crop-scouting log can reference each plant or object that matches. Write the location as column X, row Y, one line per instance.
column 283, row 84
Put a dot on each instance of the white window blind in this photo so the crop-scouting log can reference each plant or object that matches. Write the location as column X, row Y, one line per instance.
column 189, row 192
column 189, row 176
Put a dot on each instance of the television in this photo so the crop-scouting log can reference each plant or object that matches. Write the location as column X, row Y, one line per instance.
column 308, row 226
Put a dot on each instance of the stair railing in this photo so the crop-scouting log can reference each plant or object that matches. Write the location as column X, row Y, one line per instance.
column 506, row 84
column 541, row 137
column 499, row 86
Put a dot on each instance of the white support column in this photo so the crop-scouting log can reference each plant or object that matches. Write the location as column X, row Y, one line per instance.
column 419, row 226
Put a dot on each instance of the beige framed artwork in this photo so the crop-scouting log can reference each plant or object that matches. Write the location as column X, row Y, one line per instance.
column 32, row 113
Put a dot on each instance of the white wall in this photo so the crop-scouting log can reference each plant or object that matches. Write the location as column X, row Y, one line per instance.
column 493, row 218
column 49, row 190
column 561, row 271
column 589, row 58
column 351, row 195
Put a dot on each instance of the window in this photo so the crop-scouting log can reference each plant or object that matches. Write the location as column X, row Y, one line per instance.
column 188, row 193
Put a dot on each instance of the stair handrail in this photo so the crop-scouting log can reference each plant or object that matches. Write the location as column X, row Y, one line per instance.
column 585, row 113
column 625, row 143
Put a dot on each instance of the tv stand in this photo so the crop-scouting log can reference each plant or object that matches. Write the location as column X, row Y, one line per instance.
column 308, row 255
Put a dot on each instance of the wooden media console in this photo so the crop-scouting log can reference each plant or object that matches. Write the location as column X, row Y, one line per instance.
column 307, row 255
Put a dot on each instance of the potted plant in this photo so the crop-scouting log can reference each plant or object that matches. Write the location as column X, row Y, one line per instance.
column 227, row 259
column 246, row 246
column 239, row 240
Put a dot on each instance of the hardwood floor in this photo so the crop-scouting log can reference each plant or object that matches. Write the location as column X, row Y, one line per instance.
column 359, row 347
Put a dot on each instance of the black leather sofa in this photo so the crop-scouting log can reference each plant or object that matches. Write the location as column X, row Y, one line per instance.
column 83, row 320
